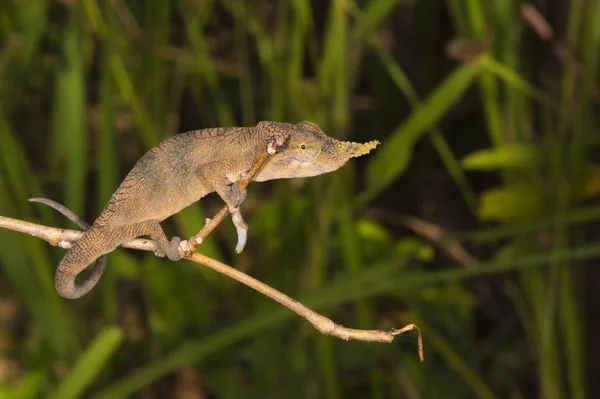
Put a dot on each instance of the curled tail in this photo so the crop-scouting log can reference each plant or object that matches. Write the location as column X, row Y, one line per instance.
column 76, row 259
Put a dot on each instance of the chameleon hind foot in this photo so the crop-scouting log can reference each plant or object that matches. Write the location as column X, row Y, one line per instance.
column 171, row 251
column 163, row 245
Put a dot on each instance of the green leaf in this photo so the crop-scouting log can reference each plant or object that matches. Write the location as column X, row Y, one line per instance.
column 374, row 13
column 516, row 81
column 393, row 158
column 511, row 203
column 370, row 230
column 90, row 363
column 30, row 387
column 510, row 156
column 32, row 17
column 416, row 247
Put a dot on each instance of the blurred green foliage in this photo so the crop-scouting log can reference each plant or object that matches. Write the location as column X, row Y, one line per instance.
column 488, row 129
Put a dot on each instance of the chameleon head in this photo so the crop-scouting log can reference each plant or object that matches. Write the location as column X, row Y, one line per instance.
column 307, row 151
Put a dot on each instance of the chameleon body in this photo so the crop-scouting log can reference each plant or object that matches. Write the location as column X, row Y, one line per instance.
column 183, row 169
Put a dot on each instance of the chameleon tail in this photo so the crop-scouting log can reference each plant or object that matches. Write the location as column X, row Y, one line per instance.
column 74, row 262
column 64, row 279
column 72, row 216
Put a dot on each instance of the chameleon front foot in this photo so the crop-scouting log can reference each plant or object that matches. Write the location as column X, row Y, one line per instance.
column 237, row 196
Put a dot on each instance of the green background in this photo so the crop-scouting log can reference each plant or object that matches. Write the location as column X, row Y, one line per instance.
column 488, row 131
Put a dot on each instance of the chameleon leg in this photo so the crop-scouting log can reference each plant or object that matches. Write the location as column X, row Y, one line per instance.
column 236, row 216
column 233, row 197
column 164, row 246
column 230, row 193
column 86, row 250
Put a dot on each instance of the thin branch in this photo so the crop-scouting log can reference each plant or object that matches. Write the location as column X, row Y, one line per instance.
column 64, row 237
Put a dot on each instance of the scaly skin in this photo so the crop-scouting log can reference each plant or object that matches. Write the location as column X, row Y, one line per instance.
column 186, row 167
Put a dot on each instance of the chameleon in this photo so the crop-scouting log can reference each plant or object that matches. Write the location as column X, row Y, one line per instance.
column 185, row 168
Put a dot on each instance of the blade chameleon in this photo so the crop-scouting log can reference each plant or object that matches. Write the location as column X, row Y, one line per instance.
column 188, row 166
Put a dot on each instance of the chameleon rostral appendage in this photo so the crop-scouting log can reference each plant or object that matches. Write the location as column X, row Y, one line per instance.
column 188, row 166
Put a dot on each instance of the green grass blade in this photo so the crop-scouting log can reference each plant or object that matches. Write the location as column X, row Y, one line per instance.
column 513, row 79
column 90, row 363
column 453, row 358
column 394, row 154
column 33, row 19
column 69, row 118
column 30, row 387
column 570, row 78
column 245, row 81
column 152, row 83
column 25, row 260
column 440, row 144
column 397, row 74
column 107, row 156
column 459, row 16
column 205, row 68
column 374, row 13
column 506, row 157
column 107, row 160
column 487, row 81
column 575, row 216
column 122, row 78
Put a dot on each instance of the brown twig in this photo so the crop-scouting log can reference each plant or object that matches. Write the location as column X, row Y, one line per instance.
column 542, row 28
column 64, row 237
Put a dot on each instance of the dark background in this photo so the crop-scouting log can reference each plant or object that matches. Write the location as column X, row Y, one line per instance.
column 486, row 114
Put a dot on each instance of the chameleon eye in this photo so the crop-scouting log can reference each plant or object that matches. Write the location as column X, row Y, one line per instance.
column 303, row 146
